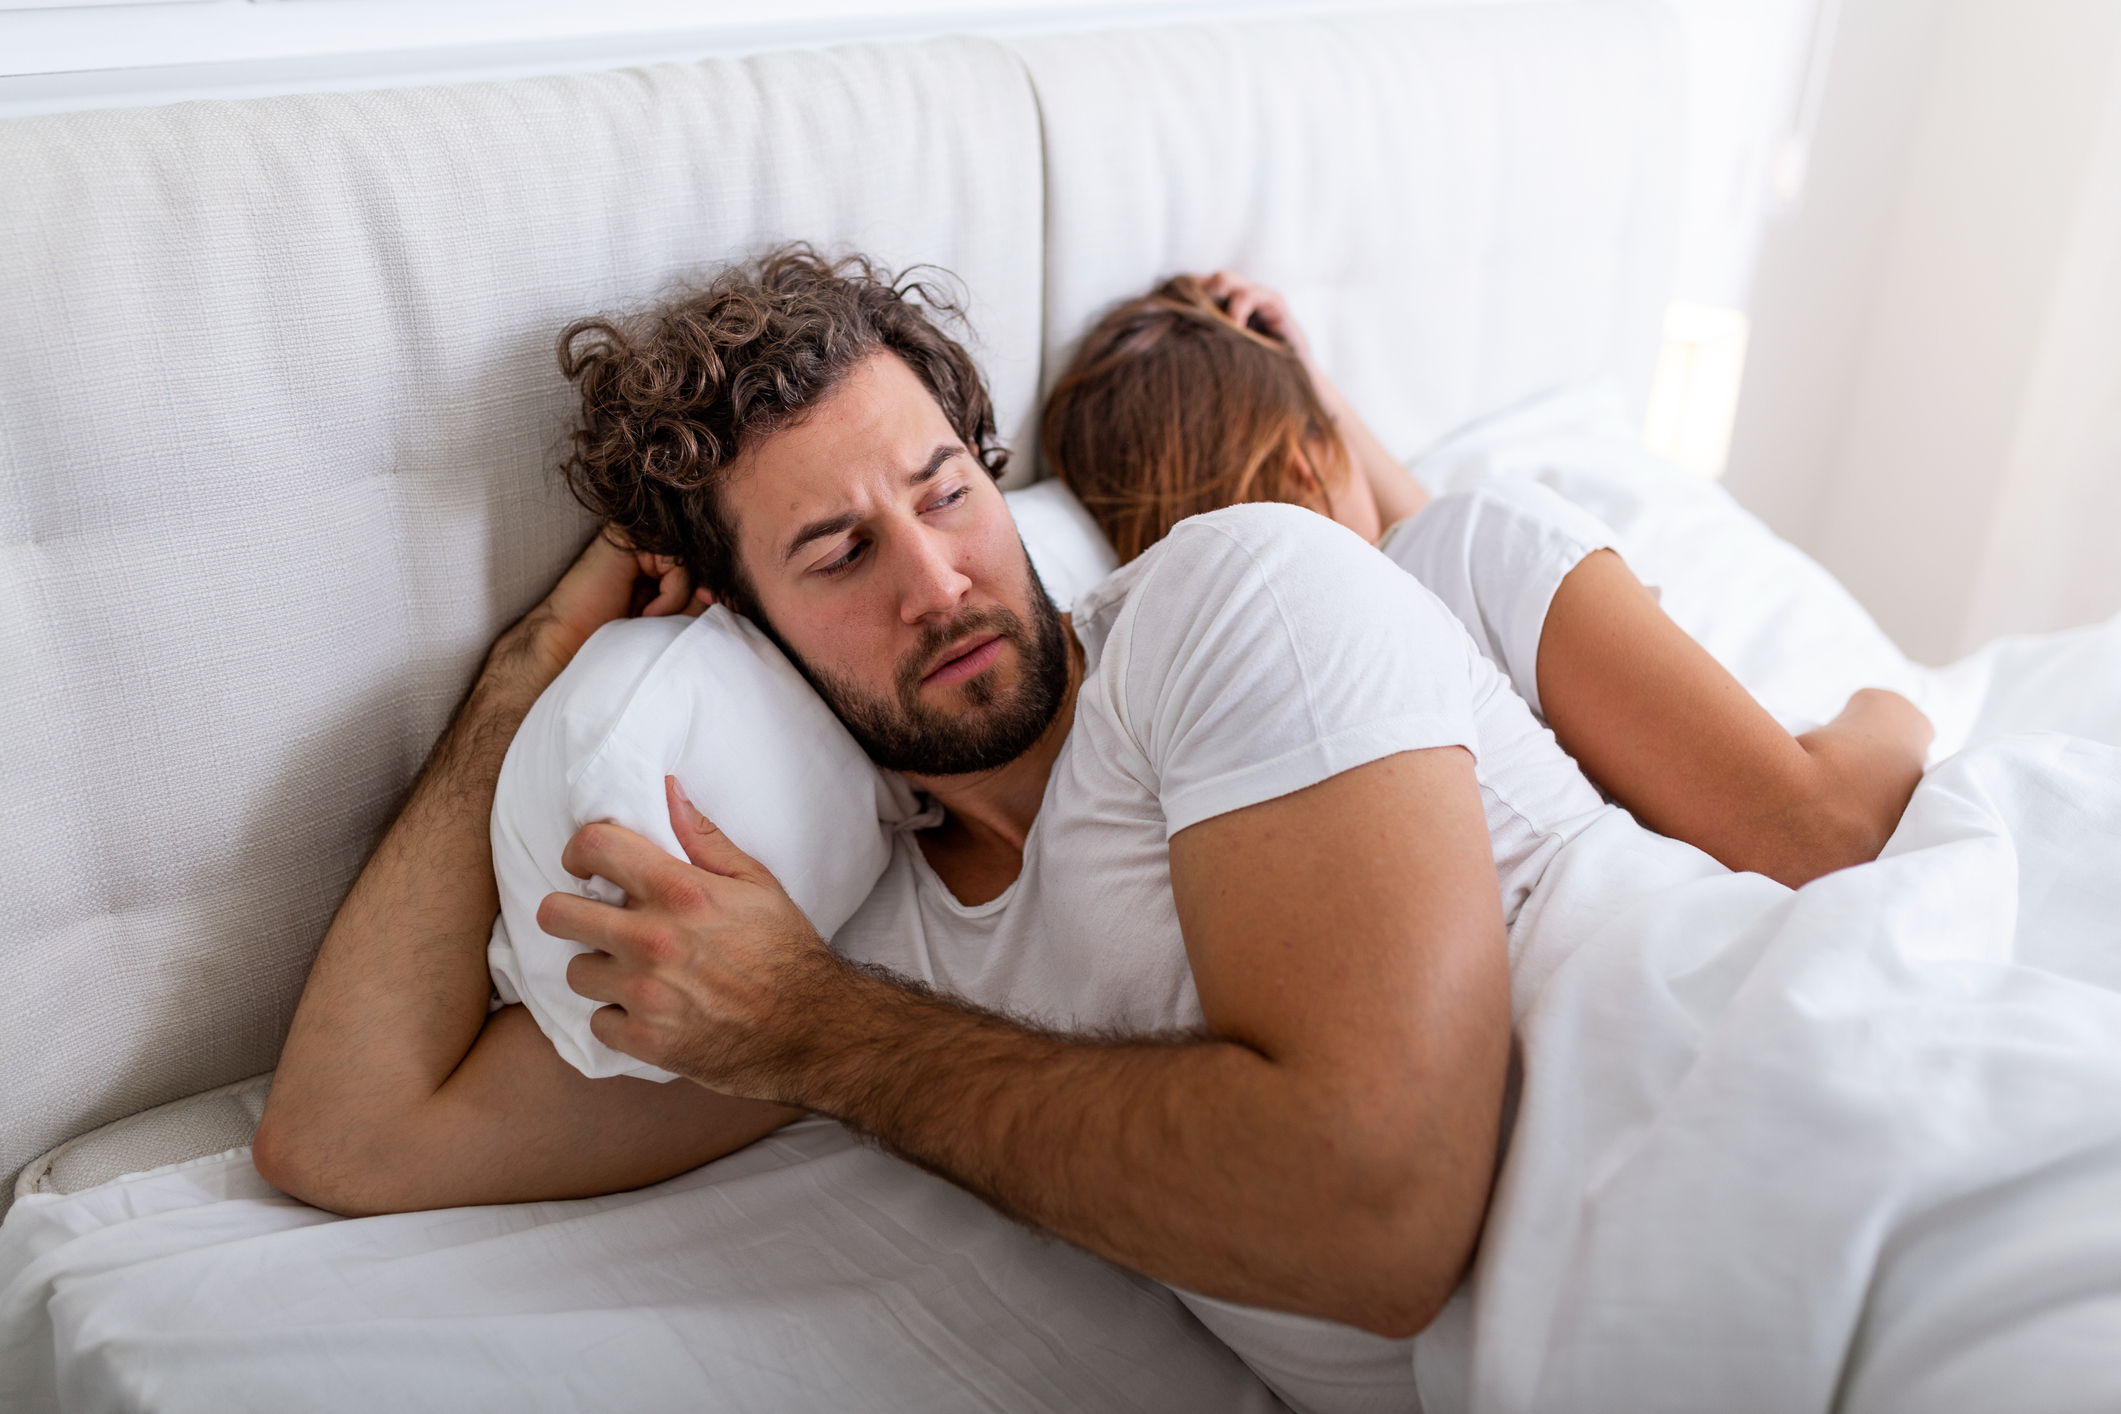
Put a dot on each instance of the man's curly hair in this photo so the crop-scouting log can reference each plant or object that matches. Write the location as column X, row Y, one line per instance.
column 672, row 396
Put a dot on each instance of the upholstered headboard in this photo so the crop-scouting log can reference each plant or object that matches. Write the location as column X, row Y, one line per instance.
column 279, row 408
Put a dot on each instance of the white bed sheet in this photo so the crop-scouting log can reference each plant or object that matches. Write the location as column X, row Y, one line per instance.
column 805, row 1272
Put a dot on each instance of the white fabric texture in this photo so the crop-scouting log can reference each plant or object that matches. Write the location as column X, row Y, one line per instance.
column 1465, row 204
column 1495, row 555
column 805, row 1272
column 197, row 1125
column 711, row 701
column 284, row 369
column 1850, row 1146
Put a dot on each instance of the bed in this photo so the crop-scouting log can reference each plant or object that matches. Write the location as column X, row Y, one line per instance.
column 280, row 417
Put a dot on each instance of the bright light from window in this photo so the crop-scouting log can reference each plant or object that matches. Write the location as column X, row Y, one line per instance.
column 1695, row 395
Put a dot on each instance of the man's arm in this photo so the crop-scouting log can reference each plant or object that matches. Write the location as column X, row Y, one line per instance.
column 1328, row 1149
column 1679, row 742
column 396, row 1090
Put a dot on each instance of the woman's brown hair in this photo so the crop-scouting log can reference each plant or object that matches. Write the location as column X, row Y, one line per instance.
column 1170, row 410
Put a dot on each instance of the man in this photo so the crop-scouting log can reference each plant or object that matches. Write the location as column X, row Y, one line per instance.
column 1226, row 833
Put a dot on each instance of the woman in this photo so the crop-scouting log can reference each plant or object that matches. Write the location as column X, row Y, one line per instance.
column 1203, row 393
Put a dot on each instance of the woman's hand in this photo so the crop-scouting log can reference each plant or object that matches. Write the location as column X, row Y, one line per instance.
column 1396, row 493
column 1252, row 305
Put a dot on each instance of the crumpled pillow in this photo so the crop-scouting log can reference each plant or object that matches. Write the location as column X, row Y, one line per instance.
column 711, row 701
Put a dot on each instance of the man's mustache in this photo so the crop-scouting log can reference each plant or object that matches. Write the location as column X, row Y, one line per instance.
column 921, row 659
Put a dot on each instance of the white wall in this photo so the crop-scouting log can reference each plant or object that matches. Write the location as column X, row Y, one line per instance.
column 1931, row 406
column 1745, row 57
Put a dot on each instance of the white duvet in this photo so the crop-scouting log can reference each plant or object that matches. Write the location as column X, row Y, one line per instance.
column 1855, row 1146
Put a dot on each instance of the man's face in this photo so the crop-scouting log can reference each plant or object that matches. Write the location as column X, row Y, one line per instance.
column 885, row 562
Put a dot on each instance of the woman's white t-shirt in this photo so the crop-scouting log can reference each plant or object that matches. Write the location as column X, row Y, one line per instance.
column 1253, row 652
column 1495, row 556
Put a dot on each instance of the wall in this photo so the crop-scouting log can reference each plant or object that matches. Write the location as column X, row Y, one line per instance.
column 60, row 55
column 1744, row 59
column 1931, row 406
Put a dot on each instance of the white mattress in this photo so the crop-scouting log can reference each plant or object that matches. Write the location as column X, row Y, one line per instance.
column 805, row 1272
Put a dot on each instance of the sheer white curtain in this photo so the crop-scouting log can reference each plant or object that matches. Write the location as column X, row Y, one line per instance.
column 2053, row 556
column 1933, row 403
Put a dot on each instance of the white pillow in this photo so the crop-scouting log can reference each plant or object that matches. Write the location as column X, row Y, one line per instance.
column 1067, row 549
column 711, row 701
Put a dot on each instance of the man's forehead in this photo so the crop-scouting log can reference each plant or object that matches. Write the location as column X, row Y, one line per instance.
column 877, row 432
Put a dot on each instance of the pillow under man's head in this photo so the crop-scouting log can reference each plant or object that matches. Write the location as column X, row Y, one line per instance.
column 821, row 457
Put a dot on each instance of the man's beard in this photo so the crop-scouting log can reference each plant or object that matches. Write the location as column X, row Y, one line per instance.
column 910, row 735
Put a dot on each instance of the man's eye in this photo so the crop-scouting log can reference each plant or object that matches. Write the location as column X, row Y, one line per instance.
column 955, row 498
column 854, row 552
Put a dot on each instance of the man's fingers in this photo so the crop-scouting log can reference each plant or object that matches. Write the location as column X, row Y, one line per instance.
column 577, row 919
column 608, row 1024
column 641, row 867
column 673, row 591
column 704, row 842
column 594, row 975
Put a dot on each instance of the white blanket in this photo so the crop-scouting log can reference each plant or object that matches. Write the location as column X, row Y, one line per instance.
column 1857, row 1144
column 1860, row 1140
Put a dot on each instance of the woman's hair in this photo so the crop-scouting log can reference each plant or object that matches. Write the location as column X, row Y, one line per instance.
column 1170, row 410
column 672, row 396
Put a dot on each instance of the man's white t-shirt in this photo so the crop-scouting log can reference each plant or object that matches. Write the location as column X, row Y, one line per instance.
column 1253, row 652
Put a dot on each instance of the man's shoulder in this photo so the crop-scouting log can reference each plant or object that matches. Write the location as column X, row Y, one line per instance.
column 1269, row 535
column 1215, row 563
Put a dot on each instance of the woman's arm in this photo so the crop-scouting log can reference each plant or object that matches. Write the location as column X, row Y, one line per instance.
column 396, row 1090
column 1679, row 742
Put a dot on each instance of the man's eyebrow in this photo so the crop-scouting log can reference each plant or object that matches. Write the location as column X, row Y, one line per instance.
column 819, row 530
column 835, row 525
column 943, row 452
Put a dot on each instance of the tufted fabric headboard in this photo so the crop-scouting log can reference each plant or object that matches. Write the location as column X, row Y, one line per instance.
column 279, row 410
column 1466, row 204
column 278, row 418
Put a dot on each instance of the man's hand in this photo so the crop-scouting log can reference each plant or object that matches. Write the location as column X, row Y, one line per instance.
column 710, row 970
column 608, row 580
column 1326, row 1148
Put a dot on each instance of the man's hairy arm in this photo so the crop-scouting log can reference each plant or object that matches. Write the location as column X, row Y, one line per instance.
column 1327, row 1149
column 396, row 1090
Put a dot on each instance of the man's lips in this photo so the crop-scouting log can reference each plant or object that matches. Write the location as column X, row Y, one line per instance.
column 968, row 664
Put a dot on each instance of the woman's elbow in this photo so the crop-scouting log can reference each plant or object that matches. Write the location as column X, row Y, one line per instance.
column 1817, row 836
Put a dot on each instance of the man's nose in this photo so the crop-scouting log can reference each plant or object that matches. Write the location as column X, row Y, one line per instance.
column 930, row 582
